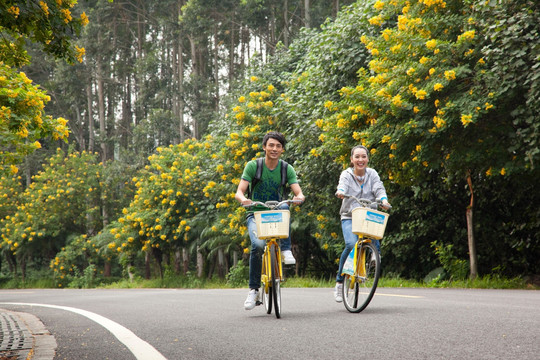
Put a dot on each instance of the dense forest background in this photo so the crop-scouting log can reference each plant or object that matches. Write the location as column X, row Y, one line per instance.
column 154, row 107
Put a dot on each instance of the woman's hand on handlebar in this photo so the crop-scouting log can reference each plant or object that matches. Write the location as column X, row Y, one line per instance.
column 340, row 194
column 385, row 204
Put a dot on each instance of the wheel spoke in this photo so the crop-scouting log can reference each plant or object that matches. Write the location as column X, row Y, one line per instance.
column 358, row 290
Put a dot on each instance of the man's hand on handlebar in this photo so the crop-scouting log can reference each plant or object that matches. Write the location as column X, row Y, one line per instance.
column 300, row 198
column 246, row 202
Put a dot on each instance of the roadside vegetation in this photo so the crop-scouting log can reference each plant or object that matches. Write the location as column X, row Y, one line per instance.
column 123, row 173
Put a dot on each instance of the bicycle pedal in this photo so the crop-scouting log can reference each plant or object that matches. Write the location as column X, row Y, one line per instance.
column 257, row 303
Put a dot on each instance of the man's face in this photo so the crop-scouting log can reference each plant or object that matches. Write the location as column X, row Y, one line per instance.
column 273, row 149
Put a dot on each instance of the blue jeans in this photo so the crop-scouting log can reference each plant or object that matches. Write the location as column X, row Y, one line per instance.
column 350, row 240
column 257, row 249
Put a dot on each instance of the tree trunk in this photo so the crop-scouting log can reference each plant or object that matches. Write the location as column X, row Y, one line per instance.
column 147, row 270
column 107, row 269
column 197, row 74
column 177, row 261
column 235, row 258
column 101, row 112
column 335, row 8
column 272, row 30
column 216, row 69
column 200, row 263
column 22, row 262
column 158, row 256
column 221, row 264
column 91, row 140
column 232, row 53
column 102, row 131
column 127, row 116
column 180, row 74
column 185, row 260
column 286, row 24
column 470, row 232
column 307, row 13
column 12, row 263
column 131, row 275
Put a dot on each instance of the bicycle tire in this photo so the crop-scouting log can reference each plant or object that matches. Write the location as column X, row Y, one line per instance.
column 358, row 290
column 265, row 282
column 275, row 280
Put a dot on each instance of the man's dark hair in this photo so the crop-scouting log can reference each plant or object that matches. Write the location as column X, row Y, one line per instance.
column 276, row 136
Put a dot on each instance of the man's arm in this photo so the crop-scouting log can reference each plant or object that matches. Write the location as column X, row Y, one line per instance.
column 240, row 191
column 297, row 192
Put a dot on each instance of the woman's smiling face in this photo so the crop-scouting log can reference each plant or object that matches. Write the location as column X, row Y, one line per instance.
column 360, row 159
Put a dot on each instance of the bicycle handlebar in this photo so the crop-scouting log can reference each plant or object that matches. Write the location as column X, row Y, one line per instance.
column 367, row 202
column 272, row 204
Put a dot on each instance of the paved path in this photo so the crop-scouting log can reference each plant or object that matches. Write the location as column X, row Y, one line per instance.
column 23, row 336
column 184, row 324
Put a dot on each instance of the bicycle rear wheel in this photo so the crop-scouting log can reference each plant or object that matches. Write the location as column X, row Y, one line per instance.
column 276, row 280
column 358, row 289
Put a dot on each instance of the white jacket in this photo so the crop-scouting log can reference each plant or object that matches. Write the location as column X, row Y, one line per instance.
column 371, row 188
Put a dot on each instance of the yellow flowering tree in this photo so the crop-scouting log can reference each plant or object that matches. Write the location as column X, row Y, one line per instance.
column 426, row 108
column 61, row 202
column 51, row 24
column 22, row 119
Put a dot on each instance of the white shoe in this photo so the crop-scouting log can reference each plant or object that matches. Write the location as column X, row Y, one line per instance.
column 338, row 291
column 251, row 300
column 288, row 257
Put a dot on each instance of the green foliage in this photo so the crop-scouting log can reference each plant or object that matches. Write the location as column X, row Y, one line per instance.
column 51, row 24
column 456, row 269
column 238, row 275
column 438, row 90
column 59, row 202
column 22, row 122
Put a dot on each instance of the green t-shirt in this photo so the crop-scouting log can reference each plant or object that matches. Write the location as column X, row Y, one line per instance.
column 268, row 187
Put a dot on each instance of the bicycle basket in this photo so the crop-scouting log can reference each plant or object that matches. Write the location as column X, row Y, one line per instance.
column 272, row 224
column 368, row 222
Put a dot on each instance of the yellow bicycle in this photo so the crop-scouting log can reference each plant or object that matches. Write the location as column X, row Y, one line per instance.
column 363, row 266
column 272, row 225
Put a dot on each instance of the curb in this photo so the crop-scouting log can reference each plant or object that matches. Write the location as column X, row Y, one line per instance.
column 24, row 337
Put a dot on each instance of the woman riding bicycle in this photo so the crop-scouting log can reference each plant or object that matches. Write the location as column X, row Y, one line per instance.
column 268, row 188
column 363, row 183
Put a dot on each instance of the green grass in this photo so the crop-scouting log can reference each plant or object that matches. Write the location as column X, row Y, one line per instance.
column 192, row 282
column 18, row 283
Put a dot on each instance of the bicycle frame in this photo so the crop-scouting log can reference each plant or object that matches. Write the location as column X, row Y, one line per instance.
column 360, row 259
column 267, row 276
column 359, row 285
column 272, row 269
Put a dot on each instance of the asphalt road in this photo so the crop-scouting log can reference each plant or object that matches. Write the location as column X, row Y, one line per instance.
column 399, row 323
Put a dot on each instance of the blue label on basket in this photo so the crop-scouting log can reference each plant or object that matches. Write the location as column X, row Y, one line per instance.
column 272, row 218
column 374, row 217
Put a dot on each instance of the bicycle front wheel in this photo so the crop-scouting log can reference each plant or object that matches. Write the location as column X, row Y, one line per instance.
column 276, row 280
column 358, row 289
column 266, row 286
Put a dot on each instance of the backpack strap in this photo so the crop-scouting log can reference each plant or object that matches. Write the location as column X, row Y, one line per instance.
column 284, row 166
column 257, row 178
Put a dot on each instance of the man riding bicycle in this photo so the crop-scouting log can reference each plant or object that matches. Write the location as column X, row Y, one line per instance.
column 267, row 188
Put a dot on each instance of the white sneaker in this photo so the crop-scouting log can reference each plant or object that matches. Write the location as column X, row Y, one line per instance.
column 251, row 300
column 288, row 257
column 338, row 291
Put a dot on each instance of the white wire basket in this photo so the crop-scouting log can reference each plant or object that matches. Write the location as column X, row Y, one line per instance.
column 368, row 222
column 272, row 224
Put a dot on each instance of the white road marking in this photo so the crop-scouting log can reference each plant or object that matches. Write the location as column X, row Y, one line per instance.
column 140, row 348
column 404, row 296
